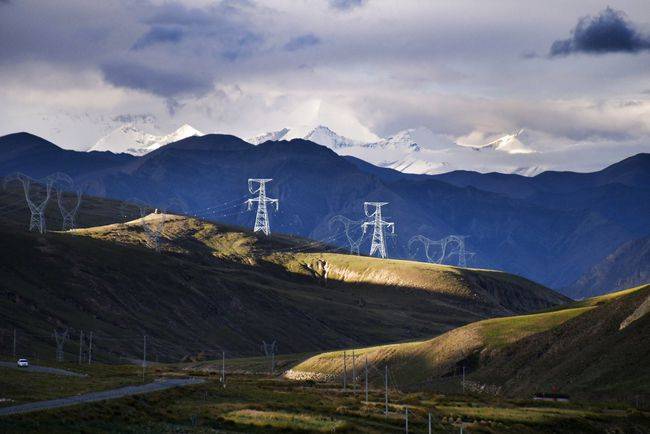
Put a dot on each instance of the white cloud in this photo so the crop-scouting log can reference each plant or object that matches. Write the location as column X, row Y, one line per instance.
column 69, row 71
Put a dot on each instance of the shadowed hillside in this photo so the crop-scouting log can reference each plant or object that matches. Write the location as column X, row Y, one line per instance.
column 213, row 286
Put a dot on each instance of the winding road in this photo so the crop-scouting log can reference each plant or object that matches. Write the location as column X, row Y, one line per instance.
column 45, row 369
column 100, row 396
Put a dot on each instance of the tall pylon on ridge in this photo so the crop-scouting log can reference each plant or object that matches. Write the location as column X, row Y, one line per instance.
column 36, row 203
column 378, row 223
column 262, row 215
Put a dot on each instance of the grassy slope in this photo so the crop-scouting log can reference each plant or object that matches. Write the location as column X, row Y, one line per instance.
column 497, row 350
column 216, row 287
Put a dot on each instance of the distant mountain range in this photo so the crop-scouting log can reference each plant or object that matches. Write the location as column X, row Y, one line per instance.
column 416, row 150
column 551, row 228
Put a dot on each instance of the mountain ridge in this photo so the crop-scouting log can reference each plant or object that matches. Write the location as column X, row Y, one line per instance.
column 551, row 238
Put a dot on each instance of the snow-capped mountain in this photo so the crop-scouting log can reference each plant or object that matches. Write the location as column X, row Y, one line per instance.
column 509, row 143
column 131, row 140
column 421, row 151
column 320, row 134
column 403, row 140
column 272, row 135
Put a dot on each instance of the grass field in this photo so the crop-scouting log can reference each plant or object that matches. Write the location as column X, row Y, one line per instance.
column 257, row 404
column 18, row 386
column 420, row 362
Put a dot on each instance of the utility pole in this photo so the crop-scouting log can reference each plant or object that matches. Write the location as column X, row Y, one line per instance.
column 269, row 351
column 354, row 373
column 406, row 420
column 223, row 368
column 90, row 348
column 262, row 215
column 378, row 223
column 14, row 343
column 386, row 389
column 60, row 339
column 366, row 375
column 345, row 372
column 144, row 356
column 81, row 341
column 429, row 423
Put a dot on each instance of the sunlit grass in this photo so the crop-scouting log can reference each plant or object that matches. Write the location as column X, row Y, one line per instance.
column 281, row 419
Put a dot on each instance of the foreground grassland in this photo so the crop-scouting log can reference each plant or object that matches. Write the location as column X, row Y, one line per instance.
column 256, row 404
column 19, row 386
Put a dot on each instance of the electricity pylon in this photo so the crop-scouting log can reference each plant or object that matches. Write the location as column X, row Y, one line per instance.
column 378, row 240
column 460, row 249
column 456, row 241
column 348, row 225
column 63, row 182
column 36, row 206
column 262, row 215
column 427, row 243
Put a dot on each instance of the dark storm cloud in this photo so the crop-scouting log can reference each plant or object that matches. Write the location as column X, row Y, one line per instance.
column 608, row 32
column 346, row 4
column 159, row 35
column 203, row 41
column 163, row 82
column 302, row 41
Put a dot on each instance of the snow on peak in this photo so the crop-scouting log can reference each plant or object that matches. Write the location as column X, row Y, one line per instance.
column 131, row 140
column 320, row 134
column 402, row 140
column 265, row 137
column 326, row 137
column 422, row 151
column 510, row 144
column 415, row 166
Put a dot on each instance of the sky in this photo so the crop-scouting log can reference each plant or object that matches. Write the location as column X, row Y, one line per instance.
column 574, row 75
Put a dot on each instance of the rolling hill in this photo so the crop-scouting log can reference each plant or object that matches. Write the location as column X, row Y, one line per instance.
column 551, row 228
column 214, row 287
column 595, row 348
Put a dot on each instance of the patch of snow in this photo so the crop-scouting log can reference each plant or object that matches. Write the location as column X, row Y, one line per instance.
column 131, row 140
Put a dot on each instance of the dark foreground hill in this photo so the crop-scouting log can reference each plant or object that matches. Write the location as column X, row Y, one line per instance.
column 214, row 287
column 595, row 349
column 551, row 228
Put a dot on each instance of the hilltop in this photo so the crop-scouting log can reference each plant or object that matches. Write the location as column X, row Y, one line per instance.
column 215, row 286
column 592, row 348
column 551, row 228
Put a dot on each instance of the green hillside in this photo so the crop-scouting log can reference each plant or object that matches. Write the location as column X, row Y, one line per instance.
column 214, row 287
column 580, row 348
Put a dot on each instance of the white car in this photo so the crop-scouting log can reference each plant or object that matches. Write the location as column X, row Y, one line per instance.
column 23, row 363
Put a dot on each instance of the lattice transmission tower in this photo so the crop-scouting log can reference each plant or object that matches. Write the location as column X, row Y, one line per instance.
column 37, row 203
column 460, row 249
column 69, row 207
column 262, row 215
column 378, row 243
column 352, row 230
